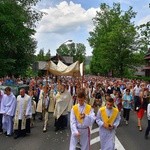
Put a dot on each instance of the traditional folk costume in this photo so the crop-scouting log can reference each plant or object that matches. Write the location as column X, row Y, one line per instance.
column 8, row 106
column 72, row 91
column 81, row 126
column 33, row 108
column 109, row 117
column 42, row 107
column 45, row 106
column 52, row 103
column 22, row 116
column 39, row 105
column 33, row 103
column 63, row 103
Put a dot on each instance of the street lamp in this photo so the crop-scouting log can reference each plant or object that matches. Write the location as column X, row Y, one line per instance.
column 68, row 42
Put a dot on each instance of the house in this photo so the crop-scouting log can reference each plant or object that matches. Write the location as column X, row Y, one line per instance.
column 139, row 71
column 147, row 66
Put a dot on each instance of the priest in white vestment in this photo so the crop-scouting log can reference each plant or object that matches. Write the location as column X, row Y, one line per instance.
column 22, row 115
column 63, row 103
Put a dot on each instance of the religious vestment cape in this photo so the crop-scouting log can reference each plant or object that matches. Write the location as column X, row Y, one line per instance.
column 23, row 111
column 52, row 103
column 62, row 104
column 39, row 105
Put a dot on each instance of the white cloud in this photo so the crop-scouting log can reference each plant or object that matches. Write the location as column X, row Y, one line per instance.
column 66, row 17
column 64, row 21
column 67, row 20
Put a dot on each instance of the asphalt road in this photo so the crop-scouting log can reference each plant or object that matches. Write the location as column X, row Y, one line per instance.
column 128, row 135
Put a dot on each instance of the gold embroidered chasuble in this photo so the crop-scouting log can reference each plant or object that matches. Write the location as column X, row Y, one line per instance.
column 16, row 119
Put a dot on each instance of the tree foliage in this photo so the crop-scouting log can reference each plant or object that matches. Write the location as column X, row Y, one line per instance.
column 75, row 50
column 143, row 40
column 17, row 45
column 41, row 56
column 112, row 40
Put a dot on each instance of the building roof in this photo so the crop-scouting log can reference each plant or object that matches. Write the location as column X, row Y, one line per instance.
column 65, row 59
column 139, row 71
column 68, row 59
column 42, row 65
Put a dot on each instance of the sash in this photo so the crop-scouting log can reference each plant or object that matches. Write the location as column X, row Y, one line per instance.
column 16, row 120
column 87, row 110
column 108, row 120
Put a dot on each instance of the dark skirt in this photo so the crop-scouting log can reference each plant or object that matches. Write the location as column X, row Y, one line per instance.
column 61, row 122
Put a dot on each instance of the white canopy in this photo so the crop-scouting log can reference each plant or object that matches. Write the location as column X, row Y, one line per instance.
column 75, row 69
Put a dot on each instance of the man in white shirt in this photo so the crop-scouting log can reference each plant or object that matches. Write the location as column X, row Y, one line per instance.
column 136, row 92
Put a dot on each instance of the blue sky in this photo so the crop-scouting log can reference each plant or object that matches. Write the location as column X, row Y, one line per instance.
column 72, row 20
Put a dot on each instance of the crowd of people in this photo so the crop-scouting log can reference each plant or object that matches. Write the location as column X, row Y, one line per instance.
column 80, row 101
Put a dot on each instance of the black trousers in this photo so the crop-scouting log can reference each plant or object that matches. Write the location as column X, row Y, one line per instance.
column 1, row 117
column 23, row 132
column 61, row 122
column 137, row 102
column 126, row 114
column 148, row 128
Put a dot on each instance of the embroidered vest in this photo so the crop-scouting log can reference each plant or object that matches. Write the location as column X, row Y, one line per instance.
column 108, row 120
column 87, row 110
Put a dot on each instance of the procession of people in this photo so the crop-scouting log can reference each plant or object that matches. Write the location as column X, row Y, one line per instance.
column 76, row 104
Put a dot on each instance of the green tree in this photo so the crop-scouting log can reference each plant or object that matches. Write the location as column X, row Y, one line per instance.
column 75, row 50
column 143, row 40
column 48, row 55
column 41, row 56
column 138, row 58
column 80, row 52
column 17, row 45
column 111, row 40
